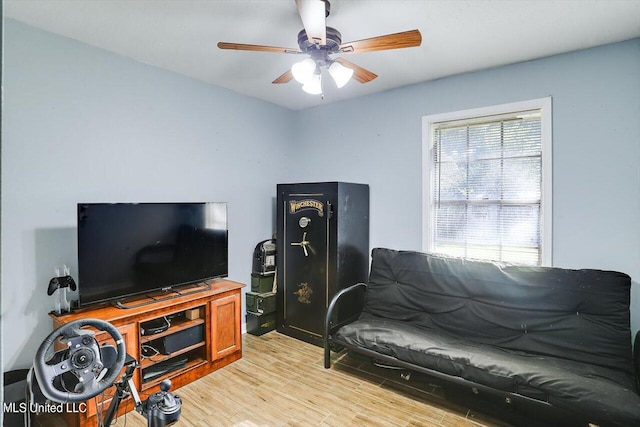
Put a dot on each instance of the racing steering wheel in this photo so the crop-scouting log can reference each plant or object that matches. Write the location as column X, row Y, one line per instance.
column 81, row 358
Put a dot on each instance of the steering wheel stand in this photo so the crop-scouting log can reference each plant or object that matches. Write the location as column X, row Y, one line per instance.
column 96, row 368
column 161, row 409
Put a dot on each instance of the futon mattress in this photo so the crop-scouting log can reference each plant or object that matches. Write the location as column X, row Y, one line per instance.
column 594, row 391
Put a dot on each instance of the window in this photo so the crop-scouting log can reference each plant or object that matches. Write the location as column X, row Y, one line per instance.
column 487, row 183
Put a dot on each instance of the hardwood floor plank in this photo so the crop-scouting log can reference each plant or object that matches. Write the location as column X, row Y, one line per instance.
column 281, row 381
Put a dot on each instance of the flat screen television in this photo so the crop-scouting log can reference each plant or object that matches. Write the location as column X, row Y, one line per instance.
column 126, row 249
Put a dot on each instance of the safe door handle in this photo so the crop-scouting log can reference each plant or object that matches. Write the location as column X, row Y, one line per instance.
column 303, row 244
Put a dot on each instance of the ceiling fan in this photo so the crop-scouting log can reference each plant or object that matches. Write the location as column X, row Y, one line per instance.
column 320, row 42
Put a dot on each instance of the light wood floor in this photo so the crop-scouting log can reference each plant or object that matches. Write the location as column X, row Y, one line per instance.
column 280, row 381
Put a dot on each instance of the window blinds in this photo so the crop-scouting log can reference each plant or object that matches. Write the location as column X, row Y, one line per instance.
column 486, row 187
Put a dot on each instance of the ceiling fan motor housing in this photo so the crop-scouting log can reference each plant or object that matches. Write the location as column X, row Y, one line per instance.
column 334, row 39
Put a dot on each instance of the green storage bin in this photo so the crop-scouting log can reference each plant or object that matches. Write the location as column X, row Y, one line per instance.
column 261, row 303
column 260, row 324
column 262, row 284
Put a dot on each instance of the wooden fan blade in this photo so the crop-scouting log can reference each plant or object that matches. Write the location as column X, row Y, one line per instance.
column 361, row 75
column 285, row 78
column 411, row 38
column 256, row 47
column 312, row 13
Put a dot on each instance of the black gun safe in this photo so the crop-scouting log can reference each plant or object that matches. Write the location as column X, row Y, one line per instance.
column 322, row 246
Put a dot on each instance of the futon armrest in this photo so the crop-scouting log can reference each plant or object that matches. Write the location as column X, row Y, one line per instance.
column 329, row 326
column 636, row 360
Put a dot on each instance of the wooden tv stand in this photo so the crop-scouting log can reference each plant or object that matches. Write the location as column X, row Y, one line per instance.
column 209, row 321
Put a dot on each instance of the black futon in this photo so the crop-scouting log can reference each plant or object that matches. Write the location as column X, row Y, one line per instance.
column 545, row 340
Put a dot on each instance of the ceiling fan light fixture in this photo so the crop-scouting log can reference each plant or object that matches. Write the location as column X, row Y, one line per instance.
column 314, row 85
column 303, row 71
column 341, row 74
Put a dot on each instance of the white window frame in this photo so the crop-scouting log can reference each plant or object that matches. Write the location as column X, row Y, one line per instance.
column 544, row 105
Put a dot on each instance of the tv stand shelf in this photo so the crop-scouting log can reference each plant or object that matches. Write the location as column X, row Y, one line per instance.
column 175, row 327
column 203, row 335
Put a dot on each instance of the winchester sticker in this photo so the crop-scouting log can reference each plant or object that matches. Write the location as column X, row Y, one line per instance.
column 304, row 293
column 301, row 205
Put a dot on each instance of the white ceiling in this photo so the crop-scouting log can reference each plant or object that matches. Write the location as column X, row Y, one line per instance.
column 457, row 36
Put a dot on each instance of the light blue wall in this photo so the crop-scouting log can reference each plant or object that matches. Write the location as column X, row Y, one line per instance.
column 84, row 125
column 596, row 151
column 81, row 124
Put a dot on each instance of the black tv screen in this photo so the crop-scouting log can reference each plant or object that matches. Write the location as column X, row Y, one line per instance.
column 126, row 249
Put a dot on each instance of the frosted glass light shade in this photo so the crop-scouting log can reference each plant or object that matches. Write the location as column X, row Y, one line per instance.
column 341, row 74
column 314, row 85
column 303, row 71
